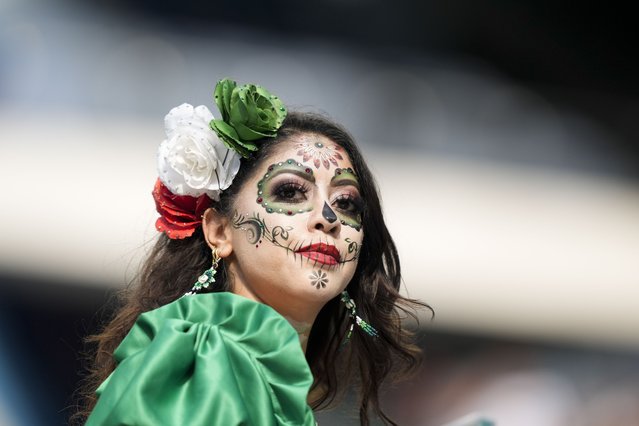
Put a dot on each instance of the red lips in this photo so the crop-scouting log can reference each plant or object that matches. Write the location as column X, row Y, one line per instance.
column 321, row 253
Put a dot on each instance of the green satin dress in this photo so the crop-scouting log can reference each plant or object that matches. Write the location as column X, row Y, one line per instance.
column 208, row 359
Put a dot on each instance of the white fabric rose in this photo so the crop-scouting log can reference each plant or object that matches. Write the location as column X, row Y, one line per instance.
column 192, row 160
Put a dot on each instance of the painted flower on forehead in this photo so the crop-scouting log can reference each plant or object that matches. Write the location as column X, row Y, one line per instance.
column 319, row 153
column 249, row 113
column 192, row 160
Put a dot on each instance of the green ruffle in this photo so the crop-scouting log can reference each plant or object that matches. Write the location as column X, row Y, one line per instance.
column 208, row 359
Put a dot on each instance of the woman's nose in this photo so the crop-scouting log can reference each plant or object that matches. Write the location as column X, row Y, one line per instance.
column 325, row 220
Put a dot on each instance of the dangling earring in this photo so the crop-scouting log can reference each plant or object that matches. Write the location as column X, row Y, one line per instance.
column 207, row 277
column 350, row 306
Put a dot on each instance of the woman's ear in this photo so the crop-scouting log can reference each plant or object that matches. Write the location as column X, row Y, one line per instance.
column 217, row 232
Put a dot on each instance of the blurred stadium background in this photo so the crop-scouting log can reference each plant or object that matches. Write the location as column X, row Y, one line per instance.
column 503, row 135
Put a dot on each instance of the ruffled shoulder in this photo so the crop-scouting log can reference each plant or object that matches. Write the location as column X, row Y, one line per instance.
column 208, row 359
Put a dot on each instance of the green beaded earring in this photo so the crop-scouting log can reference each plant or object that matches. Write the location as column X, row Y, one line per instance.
column 350, row 306
column 207, row 278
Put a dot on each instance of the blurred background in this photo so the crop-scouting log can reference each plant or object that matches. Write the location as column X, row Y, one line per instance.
column 504, row 136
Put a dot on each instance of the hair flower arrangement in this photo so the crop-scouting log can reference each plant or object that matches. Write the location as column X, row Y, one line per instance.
column 180, row 215
column 249, row 113
column 192, row 160
column 201, row 155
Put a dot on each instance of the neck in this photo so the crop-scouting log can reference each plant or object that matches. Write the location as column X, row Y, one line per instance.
column 300, row 315
column 303, row 330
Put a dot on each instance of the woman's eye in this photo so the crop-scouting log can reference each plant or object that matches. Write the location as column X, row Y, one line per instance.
column 348, row 204
column 290, row 192
column 344, row 204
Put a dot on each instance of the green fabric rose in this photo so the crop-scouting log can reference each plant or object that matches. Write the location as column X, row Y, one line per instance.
column 249, row 113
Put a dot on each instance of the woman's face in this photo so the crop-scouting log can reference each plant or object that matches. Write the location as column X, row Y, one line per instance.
column 297, row 226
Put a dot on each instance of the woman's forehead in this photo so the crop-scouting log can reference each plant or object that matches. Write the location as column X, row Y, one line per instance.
column 312, row 149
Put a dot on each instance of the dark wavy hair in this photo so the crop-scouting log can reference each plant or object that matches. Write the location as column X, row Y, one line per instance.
column 172, row 265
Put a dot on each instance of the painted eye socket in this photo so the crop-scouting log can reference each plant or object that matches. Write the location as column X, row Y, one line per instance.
column 349, row 204
column 290, row 192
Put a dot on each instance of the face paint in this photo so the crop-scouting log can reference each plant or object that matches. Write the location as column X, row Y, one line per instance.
column 321, row 253
column 353, row 250
column 274, row 255
column 282, row 195
column 319, row 279
column 251, row 226
column 348, row 206
column 328, row 213
column 256, row 229
column 320, row 153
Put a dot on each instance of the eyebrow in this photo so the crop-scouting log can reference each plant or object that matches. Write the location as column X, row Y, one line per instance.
column 345, row 180
column 294, row 169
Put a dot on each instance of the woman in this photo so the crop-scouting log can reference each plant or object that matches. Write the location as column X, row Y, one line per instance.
column 276, row 218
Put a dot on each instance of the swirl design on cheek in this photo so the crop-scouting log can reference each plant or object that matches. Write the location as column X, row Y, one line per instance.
column 353, row 250
column 256, row 229
column 279, row 231
column 251, row 225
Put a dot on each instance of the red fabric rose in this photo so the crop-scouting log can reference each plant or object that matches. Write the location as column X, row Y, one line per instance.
column 180, row 215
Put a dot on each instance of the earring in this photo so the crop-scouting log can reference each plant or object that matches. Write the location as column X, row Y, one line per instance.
column 350, row 306
column 207, row 277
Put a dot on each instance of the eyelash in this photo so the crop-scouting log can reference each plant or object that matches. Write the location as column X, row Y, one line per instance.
column 278, row 192
column 356, row 204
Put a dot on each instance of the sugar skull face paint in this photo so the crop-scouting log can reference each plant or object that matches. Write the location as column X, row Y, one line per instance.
column 297, row 229
column 328, row 213
column 322, row 254
column 276, row 194
column 318, row 279
column 349, row 214
column 314, row 148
